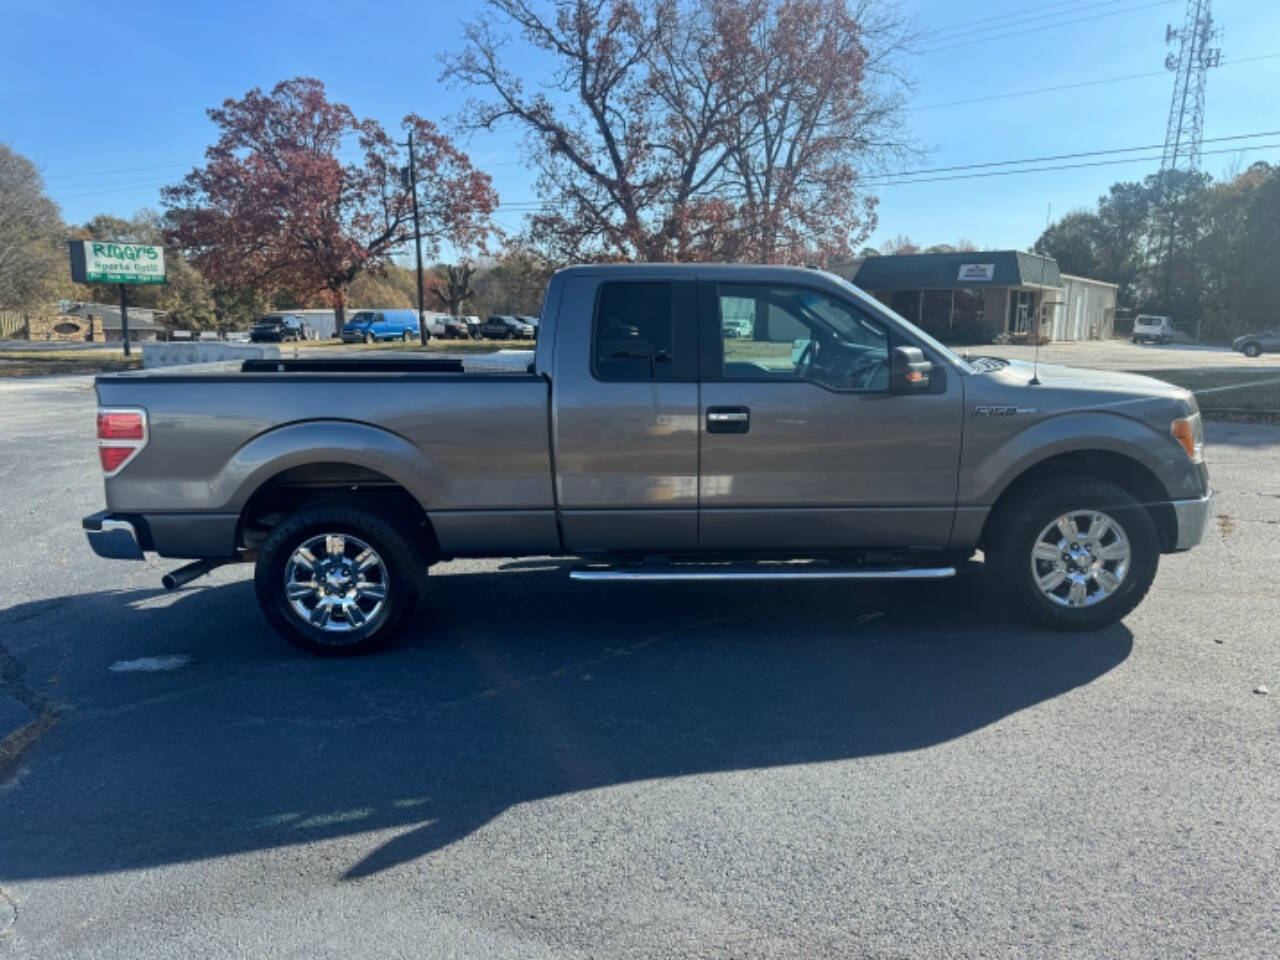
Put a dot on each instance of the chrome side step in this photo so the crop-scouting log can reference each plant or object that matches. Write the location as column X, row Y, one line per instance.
column 780, row 571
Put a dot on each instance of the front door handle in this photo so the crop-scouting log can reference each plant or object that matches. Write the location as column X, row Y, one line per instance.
column 728, row 419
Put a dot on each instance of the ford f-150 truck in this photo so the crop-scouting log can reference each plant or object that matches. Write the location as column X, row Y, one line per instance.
column 673, row 422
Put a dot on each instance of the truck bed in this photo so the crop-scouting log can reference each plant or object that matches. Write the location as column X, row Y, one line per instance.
column 473, row 445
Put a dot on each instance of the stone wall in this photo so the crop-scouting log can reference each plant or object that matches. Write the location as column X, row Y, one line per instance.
column 65, row 328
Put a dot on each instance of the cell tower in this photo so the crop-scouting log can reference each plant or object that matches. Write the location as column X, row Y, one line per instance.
column 1190, row 65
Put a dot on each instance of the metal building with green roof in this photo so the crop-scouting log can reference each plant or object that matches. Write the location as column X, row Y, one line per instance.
column 975, row 295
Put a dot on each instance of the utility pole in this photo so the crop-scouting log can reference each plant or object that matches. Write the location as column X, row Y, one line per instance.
column 1185, row 128
column 1190, row 67
column 423, row 335
column 124, row 316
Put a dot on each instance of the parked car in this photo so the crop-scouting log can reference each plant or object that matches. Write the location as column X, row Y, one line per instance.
column 1151, row 329
column 1256, row 344
column 530, row 321
column 372, row 325
column 470, row 323
column 878, row 454
column 279, row 328
column 506, row 327
column 456, row 328
column 737, row 328
column 440, row 325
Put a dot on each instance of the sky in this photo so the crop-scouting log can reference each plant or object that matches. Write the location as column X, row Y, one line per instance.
column 109, row 100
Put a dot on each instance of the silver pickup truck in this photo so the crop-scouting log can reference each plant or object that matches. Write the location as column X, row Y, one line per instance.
column 673, row 422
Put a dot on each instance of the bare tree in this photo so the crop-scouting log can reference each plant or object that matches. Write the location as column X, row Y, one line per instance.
column 451, row 285
column 33, row 261
column 691, row 129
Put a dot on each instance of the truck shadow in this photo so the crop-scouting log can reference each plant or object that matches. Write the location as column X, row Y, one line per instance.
column 509, row 688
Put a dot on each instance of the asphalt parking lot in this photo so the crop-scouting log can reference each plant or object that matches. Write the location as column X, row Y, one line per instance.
column 543, row 768
column 1124, row 355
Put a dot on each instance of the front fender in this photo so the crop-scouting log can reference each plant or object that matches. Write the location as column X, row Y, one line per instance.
column 991, row 459
column 325, row 441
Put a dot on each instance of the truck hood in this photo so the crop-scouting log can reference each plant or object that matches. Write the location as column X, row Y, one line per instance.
column 1057, row 377
column 1061, row 389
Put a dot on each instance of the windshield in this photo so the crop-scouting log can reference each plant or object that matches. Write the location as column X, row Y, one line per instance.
column 363, row 317
column 270, row 321
column 875, row 305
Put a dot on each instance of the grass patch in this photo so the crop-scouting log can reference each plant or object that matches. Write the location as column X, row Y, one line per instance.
column 1228, row 391
column 38, row 363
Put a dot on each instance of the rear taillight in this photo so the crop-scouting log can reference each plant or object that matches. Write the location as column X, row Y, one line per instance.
column 120, row 424
column 121, row 434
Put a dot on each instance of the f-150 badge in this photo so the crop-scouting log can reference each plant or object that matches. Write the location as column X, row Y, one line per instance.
column 996, row 411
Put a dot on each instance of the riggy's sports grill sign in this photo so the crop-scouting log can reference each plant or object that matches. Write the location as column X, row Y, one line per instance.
column 95, row 261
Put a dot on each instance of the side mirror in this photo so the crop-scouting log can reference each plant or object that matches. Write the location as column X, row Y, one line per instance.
column 908, row 370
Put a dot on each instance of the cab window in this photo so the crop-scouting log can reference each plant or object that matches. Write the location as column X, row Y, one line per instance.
column 632, row 333
column 794, row 333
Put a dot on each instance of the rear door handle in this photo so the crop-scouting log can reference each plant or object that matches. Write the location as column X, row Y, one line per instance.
column 728, row 419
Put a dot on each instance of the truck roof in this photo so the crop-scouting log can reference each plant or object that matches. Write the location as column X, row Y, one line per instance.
column 727, row 270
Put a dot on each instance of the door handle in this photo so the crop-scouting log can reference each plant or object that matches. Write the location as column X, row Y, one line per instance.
column 728, row 419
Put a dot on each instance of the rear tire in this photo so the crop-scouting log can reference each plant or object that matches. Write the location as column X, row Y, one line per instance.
column 360, row 585
column 1115, row 570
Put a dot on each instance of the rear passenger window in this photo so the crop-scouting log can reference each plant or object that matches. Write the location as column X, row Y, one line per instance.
column 632, row 332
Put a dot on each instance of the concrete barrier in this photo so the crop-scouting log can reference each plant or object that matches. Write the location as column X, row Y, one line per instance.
column 178, row 354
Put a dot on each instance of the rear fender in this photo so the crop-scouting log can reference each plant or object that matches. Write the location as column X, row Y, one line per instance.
column 326, row 441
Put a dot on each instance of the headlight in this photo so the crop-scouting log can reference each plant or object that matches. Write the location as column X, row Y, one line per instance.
column 1189, row 432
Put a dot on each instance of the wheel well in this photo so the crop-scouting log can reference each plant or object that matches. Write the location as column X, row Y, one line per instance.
column 1105, row 465
column 298, row 486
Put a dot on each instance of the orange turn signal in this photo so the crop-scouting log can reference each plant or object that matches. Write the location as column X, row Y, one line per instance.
column 1188, row 437
column 914, row 376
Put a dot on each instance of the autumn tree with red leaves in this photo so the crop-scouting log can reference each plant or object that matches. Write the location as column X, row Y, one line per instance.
column 696, row 129
column 299, row 195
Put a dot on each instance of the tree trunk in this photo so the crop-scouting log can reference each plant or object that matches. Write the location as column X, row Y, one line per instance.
column 339, row 310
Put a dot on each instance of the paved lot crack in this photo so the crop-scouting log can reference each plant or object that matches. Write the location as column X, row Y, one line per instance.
column 13, row 683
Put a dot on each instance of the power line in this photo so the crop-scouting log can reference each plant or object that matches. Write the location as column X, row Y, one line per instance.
column 1072, row 156
column 1015, row 20
column 1044, row 26
column 105, row 173
column 917, row 176
column 1070, row 166
column 905, row 178
column 1075, row 86
column 1002, row 16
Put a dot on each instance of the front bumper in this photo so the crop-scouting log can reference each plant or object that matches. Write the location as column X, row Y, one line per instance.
column 112, row 537
column 1192, row 518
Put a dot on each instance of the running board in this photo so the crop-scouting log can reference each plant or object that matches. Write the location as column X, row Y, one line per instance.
column 781, row 571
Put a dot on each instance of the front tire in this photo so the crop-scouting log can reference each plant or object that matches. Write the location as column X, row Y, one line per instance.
column 337, row 579
column 1077, row 553
column 1252, row 350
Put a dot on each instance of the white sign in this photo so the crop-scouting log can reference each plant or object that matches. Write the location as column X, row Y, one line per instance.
column 94, row 261
column 977, row 272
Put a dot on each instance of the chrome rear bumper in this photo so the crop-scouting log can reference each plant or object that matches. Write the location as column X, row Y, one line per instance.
column 112, row 537
column 1193, row 520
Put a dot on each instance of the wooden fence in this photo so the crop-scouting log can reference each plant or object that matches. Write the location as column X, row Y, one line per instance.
column 13, row 325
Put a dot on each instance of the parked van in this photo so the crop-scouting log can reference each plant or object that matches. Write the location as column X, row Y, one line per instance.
column 1149, row 329
column 371, row 325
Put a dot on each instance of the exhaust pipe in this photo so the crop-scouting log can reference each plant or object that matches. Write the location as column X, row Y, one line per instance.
column 183, row 575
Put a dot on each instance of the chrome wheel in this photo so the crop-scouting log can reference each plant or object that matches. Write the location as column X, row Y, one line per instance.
column 336, row 582
column 1081, row 558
